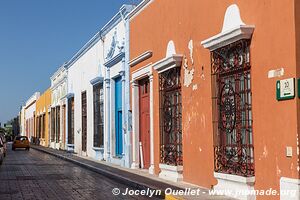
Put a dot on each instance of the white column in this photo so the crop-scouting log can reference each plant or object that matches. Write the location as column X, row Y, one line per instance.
column 107, row 113
column 67, row 123
column 61, row 125
column 135, row 125
column 122, row 74
column 151, row 168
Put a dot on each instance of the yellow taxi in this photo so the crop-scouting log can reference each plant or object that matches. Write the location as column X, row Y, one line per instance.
column 21, row 142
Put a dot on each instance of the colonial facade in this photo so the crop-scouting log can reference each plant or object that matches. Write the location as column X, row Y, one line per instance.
column 204, row 102
column 58, row 108
column 42, row 118
column 30, row 112
column 98, row 95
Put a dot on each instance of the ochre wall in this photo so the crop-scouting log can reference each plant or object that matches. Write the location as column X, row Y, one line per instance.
column 272, row 47
column 42, row 104
column 297, row 26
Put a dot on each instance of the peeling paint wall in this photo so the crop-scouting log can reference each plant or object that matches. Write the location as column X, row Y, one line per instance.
column 274, row 123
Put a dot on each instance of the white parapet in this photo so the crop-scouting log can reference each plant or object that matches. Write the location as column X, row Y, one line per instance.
column 289, row 189
column 171, row 173
column 235, row 186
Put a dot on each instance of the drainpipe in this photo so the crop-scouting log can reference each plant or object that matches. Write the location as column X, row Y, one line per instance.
column 107, row 129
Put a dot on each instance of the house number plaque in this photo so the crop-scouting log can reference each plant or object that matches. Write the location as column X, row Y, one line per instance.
column 285, row 89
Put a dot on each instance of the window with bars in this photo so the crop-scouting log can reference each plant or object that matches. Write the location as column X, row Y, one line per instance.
column 170, row 117
column 71, row 120
column 52, row 124
column 43, row 125
column 57, row 132
column 98, row 115
column 39, row 125
column 37, row 130
column 232, row 109
column 83, row 120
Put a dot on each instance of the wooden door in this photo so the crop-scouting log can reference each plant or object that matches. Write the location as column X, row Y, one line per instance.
column 144, row 118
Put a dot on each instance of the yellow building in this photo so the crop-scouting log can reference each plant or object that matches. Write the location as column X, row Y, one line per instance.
column 42, row 118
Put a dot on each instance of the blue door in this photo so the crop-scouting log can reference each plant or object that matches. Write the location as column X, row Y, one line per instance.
column 118, row 116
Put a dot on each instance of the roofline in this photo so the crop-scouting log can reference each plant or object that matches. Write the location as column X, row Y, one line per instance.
column 60, row 69
column 138, row 8
column 123, row 11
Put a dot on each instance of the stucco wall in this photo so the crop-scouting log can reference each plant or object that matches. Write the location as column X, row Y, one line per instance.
column 42, row 105
column 87, row 67
column 80, row 74
column 272, row 47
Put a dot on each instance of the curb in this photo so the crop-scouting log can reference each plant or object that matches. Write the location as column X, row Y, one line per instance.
column 170, row 197
column 121, row 179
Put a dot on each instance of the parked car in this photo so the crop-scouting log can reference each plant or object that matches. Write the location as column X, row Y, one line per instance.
column 21, row 142
column 2, row 136
column 1, row 151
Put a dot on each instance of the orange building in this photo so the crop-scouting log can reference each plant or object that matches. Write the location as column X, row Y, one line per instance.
column 214, row 93
column 43, row 117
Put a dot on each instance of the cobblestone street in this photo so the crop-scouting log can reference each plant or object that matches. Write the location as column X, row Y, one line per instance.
column 35, row 175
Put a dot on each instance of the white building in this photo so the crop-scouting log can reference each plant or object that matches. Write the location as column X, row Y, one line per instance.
column 30, row 109
column 22, row 121
column 58, row 108
column 98, row 82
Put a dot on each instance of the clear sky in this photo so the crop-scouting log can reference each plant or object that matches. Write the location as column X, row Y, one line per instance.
column 37, row 36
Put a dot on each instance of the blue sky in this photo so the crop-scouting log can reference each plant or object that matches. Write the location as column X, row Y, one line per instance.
column 37, row 36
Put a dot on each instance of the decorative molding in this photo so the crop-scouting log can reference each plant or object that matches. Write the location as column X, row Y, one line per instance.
column 113, row 45
column 59, row 83
column 124, row 10
column 32, row 99
column 142, row 72
column 144, row 56
column 61, row 69
column 234, row 29
column 97, row 80
column 223, row 39
column 115, row 59
column 168, row 63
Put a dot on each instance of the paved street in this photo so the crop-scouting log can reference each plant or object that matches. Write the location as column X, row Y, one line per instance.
column 35, row 175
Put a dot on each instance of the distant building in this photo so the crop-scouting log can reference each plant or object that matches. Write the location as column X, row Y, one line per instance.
column 42, row 118
column 58, row 108
column 30, row 112
column 22, row 121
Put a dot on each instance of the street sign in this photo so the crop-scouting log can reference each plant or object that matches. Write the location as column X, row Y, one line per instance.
column 285, row 89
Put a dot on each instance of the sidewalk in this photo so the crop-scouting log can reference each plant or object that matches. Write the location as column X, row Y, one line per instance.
column 139, row 179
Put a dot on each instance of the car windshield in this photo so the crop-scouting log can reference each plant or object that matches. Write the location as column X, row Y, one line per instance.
column 21, row 138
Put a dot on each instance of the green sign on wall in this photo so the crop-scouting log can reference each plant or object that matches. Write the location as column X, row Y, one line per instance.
column 285, row 89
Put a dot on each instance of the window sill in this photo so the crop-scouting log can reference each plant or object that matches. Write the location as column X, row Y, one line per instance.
column 98, row 148
column 235, row 178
